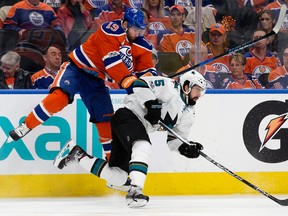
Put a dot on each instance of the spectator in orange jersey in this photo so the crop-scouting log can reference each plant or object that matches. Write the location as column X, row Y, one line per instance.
column 207, row 71
column 44, row 78
column 237, row 79
column 31, row 14
column 259, row 59
column 158, row 20
column 176, row 38
column 74, row 16
column 278, row 78
column 277, row 42
column 216, row 46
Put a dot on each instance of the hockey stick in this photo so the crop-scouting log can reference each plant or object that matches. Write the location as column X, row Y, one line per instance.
column 280, row 202
column 275, row 30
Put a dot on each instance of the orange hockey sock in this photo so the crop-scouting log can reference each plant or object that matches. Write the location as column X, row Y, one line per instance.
column 51, row 104
column 105, row 137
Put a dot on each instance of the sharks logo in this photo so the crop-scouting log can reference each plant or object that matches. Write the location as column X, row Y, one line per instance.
column 169, row 121
column 265, row 131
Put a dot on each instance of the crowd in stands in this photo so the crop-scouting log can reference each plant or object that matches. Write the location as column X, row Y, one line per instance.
column 38, row 35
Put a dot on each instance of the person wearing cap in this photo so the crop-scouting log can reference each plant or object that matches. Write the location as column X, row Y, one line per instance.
column 176, row 38
column 216, row 46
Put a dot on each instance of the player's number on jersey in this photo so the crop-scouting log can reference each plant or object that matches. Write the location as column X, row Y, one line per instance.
column 112, row 26
column 159, row 82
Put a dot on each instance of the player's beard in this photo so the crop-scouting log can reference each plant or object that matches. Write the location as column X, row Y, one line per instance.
column 191, row 101
column 130, row 39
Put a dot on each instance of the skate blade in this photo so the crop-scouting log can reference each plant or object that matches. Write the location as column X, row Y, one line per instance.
column 63, row 153
column 138, row 203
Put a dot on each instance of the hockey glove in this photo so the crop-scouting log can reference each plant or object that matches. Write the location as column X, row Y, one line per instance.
column 153, row 111
column 190, row 151
column 127, row 83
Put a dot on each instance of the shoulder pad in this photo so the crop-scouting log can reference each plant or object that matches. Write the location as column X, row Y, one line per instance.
column 113, row 27
column 143, row 42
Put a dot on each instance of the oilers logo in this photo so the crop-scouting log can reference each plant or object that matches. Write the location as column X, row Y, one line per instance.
column 136, row 3
column 219, row 67
column 97, row 3
column 183, row 47
column 126, row 56
column 36, row 18
column 261, row 69
column 156, row 27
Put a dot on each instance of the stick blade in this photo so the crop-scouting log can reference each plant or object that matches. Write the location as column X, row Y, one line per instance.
column 282, row 202
column 280, row 19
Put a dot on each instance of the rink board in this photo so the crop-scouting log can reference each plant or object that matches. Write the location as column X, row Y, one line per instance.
column 232, row 126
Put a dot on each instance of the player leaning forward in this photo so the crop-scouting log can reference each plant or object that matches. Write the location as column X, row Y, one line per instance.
column 154, row 98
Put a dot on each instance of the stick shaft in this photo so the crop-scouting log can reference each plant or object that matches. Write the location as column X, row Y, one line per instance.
column 280, row 202
column 275, row 30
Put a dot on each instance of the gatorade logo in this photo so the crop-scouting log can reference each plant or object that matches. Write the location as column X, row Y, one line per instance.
column 265, row 131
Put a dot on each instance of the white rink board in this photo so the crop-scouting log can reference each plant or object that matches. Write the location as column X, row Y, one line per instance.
column 218, row 126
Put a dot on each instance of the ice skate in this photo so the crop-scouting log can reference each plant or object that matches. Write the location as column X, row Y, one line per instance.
column 124, row 187
column 135, row 197
column 70, row 153
column 18, row 133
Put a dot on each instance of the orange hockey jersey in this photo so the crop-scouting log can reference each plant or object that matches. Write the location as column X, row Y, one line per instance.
column 108, row 52
column 256, row 66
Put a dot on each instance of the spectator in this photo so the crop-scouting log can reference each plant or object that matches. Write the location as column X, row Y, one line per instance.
column 259, row 59
column 31, row 14
column 237, row 79
column 11, row 75
column 207, row 71
column 176, row 38
column 151, row 37
column 278, row 78
column 44, row 78
column 275, row 8
column 74, row 16
column 114, row 10
column 4, row 10
column 158, row 20
column 216, row 46
column 277, row 42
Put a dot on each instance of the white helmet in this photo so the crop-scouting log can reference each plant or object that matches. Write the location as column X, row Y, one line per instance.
column 192, row 78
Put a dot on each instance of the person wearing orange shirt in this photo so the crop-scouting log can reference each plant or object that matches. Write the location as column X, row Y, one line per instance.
column 278, row 78
column 237, row 79
column 216, row 46
column 176, row 38
column 259, row 59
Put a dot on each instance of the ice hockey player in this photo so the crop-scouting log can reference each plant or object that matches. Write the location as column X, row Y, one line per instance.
column 116, row 50
column 153, row 99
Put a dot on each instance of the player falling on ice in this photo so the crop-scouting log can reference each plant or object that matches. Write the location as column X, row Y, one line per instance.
column 153, row 99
